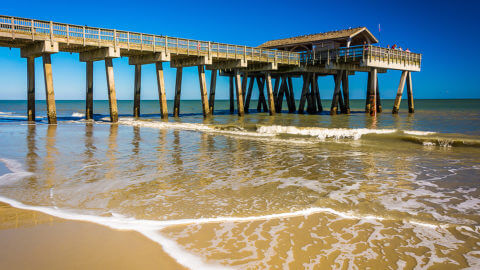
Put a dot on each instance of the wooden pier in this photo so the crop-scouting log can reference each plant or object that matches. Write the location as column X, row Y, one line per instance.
column 337, row 53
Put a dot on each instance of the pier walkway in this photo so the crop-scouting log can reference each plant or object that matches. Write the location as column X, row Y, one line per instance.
column 243, row 64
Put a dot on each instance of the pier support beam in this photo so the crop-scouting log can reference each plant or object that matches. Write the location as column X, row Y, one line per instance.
column 203, row 91
column 303, row 96
column 271, row 101
column 213, row 86
column 162, row 96
column 249, row 93
column 262, row 102
column 107, row 54
column 336, row 92
column 112, row 97
column 137, row 89
column 373, row 98
column 367, row 98
column 238, row 86
column 31, row 88
column 317, row 95
column 89, row 93
column 178, row 90
column 411, row 108
column 232, row 105
column 292, row 107
column 346, row 94
column 49, row 93
column 378, row 99
column 398, row 99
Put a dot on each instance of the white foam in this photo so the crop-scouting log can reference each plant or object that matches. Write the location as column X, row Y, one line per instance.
column 419, row 133
column 77, row 114
column 16, row 174
column 322, row 133
column 189, row 126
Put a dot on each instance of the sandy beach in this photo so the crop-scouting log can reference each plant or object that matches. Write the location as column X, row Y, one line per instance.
column 32, row 240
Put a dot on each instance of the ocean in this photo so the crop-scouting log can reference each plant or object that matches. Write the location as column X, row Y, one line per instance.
column 289, row 191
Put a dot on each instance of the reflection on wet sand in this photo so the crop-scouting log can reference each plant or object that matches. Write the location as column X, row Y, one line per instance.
column 111, row 162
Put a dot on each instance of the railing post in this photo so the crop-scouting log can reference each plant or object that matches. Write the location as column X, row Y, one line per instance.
column 154, row 41
column 328, row 56
column 209, row 49
column 235, row 48
column 68, row 35
column 260, row 55
column 98, row 37
column 188, row 47
column 166, row 44
column 12, row 22
column 115, row 38
column 245, row 53
column 128, row 40
column 51, row 31
column 84, row 36
column 141, row 42
column 33, row 29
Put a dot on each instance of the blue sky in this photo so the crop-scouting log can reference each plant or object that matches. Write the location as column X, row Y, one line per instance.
column 445, row 33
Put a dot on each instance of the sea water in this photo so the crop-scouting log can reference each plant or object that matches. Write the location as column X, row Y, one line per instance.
column 286, row 191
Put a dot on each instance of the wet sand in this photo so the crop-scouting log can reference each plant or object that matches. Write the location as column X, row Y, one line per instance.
column 32, row 240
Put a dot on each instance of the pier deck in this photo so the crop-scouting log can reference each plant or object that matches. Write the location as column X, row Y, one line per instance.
column 37, row 38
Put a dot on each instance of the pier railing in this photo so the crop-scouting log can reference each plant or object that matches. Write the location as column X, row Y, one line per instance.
column 363, row 54
column 91, row 36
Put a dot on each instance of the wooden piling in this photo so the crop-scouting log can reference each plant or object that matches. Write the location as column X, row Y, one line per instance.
column 162, row 96
column 112, row 98
column 292, row 97
column 232, row 105
column 89, row 94
column 213, row 87
column 336, row 92
column 275, row 89
column 137, row 87
column 249, row 94
column 401, row 86
column 244, row 86
column 238, row 86
column 262, row 102
column 367, row 98
column 373, row 99
column 317, row 95
column 49, row 93
column 203, row 91
column 178, row 91
column 287, row 94
column 31, row 88
column 311, row 97
column 303, row 96
column 411, row 108
column 281, row 92
column 271, row 102
column 378, row 99
column 346, row 94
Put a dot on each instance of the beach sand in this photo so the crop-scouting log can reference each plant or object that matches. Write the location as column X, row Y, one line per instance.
column 32, row 240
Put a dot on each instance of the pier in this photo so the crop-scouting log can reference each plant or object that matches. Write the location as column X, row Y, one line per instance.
column 271, row 65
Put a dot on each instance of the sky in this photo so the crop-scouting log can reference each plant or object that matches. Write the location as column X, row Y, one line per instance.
column 445, row 32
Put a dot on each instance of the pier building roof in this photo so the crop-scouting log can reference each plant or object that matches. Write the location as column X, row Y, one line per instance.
column 356, row 36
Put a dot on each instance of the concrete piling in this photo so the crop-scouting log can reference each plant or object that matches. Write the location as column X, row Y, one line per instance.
column 89, row 93
column 31, row 88
column 137, row 89
column 203, row 91
column 49, row 93
column 178, row 90
column 162, row 97
column 112, row 98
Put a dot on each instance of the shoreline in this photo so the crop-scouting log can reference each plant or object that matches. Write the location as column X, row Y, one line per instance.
column 34, row 240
